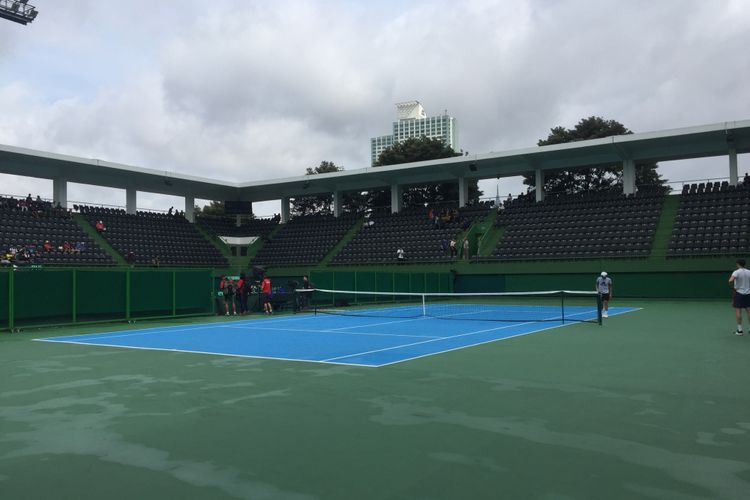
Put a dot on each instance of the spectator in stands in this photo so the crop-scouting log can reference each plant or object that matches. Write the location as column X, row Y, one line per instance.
column 47, row 246
column 444, row 246
column 80, row 247
column 155, row 261
column 66, row 247
column 740, row 280
column 171, row 209
column 400, row 254
column 604, row 288
column 100, row 226
column 265, row 295
column 453, row 248
column 130, row 258
column 466, row 248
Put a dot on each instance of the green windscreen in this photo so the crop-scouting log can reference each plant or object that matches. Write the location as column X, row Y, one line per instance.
column 100, row 295
column 43, row 297
column 193, row 291
column 150, row 293
column 4, row 300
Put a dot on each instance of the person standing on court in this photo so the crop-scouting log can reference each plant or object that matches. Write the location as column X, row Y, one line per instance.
column 604, row 288
column 740, row 280
column 265, row 295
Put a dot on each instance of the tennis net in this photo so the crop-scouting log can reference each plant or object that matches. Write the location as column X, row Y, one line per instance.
column 558, row 305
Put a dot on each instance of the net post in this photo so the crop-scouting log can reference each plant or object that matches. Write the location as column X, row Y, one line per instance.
column 424, row 306
column 562, row 306
column 599, row 306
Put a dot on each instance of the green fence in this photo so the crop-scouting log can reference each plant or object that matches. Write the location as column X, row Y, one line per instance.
column 385, row 281
column 43, row 297
column 677, row 285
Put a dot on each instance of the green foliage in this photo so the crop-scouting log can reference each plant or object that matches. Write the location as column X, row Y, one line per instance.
column 316, row 204
column 421, row 149
column 592, row 179
column 213, row 208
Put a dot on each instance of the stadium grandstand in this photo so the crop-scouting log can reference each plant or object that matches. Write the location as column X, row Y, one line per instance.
column 374, row 323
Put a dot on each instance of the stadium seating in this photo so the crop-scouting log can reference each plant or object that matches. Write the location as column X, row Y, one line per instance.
column 712, row 220
column 227, row 226
column 586, row 226
column 412, row 230
column 169, row 238
column 304, row 240
column 26, row 227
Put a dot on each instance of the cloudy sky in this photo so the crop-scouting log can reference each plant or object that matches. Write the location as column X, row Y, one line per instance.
column 246, row 90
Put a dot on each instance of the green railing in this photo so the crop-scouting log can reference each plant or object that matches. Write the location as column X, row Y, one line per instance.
column 65, row 296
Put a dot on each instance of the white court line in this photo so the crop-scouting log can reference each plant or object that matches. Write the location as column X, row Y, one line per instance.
column 428, row 341
column 632, row 309
column 336, row 331
column 150, row 331
column 445, row 338
column 169, row 329
column 206, row 352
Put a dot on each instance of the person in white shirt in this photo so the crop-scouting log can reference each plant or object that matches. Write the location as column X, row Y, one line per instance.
column 740, row 280
column 604, row 288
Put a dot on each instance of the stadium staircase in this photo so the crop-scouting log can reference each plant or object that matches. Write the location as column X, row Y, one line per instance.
column 89, row 230
column 343, row 242
column 664, row 227
column 490, row 237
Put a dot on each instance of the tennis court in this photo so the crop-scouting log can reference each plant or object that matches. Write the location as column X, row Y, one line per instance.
column 369, row 336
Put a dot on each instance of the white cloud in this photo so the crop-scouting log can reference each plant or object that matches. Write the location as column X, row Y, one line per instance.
column 257, row 90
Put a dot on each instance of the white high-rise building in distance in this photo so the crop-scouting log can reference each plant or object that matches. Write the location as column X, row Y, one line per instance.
column 414, row 122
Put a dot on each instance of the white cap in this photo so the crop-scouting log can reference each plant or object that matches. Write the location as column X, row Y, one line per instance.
column 604, row 273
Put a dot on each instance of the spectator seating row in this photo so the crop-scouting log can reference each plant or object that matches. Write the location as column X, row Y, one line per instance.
column 585, row 226
column 26, row 227
column 304, row 240
column 712, row 219
column 148, row 236
column 415, row 230
column 227, row 226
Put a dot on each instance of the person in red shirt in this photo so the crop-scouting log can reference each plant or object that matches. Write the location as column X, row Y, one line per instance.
column 241, row 296
column 47, row 247
column 265, row 295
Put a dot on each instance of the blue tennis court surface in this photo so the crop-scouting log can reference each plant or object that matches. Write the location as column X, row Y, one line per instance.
column 323, row 338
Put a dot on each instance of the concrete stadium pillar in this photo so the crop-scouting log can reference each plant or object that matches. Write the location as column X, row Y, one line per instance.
column 131, row 197
column 628, row 176
column 60, row 192
column 539, row 186
column 733, row 178
column 397, row 196
column 190, row 208
column 338, row 199
column 284, row 210
column 463, row 192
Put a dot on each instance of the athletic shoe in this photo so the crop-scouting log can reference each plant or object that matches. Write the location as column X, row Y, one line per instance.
column 226, row 314
column 739, row 333
column 605, row 315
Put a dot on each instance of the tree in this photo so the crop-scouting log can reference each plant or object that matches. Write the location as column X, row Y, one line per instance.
column 316, row 204
column 213, row 208
column 421, row 149
column 592, row 179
